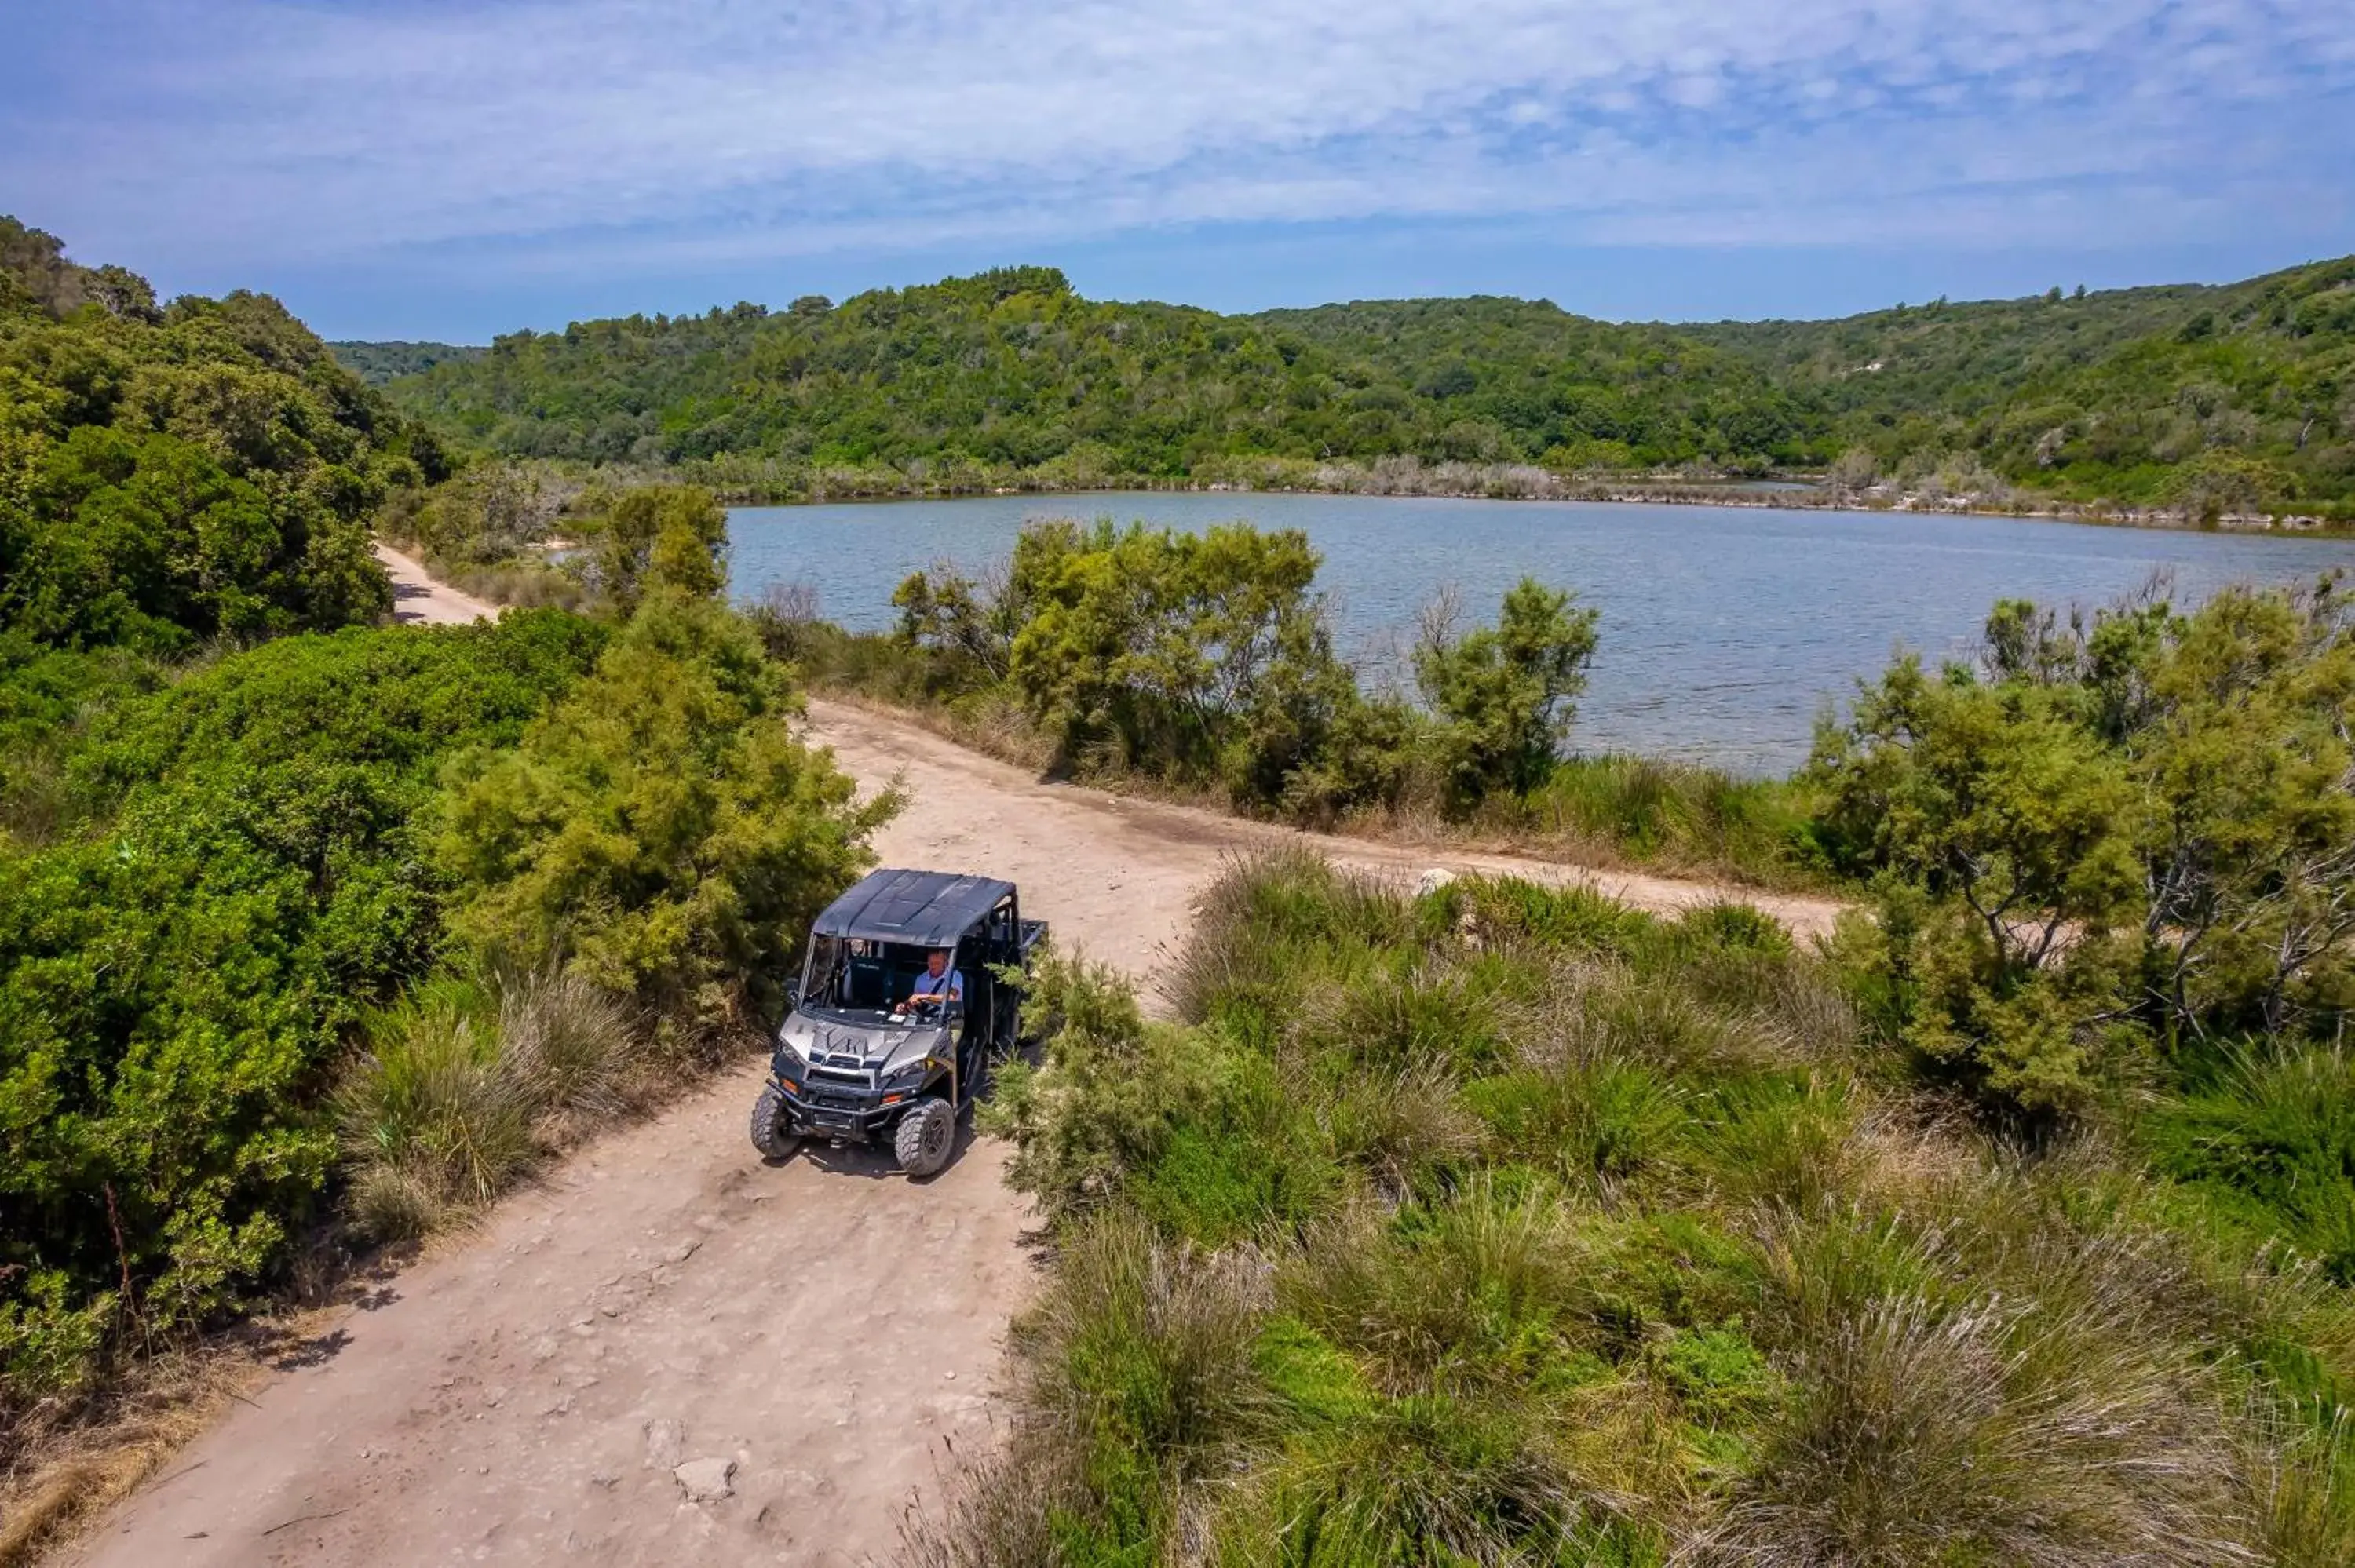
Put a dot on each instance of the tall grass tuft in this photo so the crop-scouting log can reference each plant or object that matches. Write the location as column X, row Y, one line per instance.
column 2303, row 1477
column 1484, row 1289
column 1270, row 914
column 567, row 1042
column 1431, row 1478
column 1151, row 1341
column 2275, row 1134
column 432, row 1118
column 1677, row 815
column 456, row 1095
column 1938, row 1418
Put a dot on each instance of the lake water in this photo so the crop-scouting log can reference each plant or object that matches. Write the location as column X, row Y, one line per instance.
column 1725, row 629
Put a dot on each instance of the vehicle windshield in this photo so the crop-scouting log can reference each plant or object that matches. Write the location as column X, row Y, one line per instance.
column 853, row 976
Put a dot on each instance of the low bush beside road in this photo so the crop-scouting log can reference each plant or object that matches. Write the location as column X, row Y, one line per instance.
column 1507, row 1225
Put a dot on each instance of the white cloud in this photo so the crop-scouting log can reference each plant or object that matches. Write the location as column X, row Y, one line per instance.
column 639, row 130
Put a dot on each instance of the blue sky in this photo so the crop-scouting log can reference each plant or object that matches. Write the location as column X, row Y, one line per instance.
column 436, row 168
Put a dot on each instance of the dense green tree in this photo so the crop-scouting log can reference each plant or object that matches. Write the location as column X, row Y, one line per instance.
column 378, row 363
column 172, row 475
column 662, row 829
column 2109, row 837
column 1195, row 657
column 2211, row 400
column 655, row 537
column 1010, row 369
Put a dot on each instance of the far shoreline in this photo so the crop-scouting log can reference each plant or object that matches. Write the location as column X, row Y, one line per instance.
column 1802, row 497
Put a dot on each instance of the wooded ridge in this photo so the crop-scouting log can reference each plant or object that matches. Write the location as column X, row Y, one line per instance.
column 2210, row 400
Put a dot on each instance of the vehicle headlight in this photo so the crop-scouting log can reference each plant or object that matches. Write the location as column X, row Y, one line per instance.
column 913, row 1066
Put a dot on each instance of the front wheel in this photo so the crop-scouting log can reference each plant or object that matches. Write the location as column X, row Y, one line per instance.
column 769, row 1134
column 925, row 1136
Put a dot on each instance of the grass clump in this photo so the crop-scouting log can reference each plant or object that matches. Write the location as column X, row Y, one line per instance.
column 464, row 1088
column 1673, row 815
column 2271, row 1138
column 435, row 1119
column 1502, row 1225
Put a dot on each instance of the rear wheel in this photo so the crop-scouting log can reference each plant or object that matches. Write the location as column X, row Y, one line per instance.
column 925, row 1136
column 769, row 1134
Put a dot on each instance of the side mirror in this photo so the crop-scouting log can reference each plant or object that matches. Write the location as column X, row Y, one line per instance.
column 792, row 993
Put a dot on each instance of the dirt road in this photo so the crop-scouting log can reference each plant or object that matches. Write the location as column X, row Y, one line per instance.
column 1125, row 871
column 421, row 600
column 671, row 1351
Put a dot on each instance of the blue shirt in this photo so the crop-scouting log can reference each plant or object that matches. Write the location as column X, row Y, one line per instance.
column 948, row 984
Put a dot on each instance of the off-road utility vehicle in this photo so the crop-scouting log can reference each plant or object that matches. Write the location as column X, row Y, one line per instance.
column 856, row 1058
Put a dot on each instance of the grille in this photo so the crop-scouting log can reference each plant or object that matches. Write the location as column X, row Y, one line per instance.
column 838, row 1088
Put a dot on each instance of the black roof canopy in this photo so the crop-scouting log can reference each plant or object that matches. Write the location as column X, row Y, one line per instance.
column 921, row 908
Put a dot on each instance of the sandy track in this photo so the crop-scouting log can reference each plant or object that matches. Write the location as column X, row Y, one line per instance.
column 664, row 1298
column 1123, row 870
column 419, row 599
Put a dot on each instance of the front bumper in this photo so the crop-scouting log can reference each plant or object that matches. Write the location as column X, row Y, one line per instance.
column 821, row 1107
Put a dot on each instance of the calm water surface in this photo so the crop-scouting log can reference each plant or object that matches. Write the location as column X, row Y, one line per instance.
column 1725, row 629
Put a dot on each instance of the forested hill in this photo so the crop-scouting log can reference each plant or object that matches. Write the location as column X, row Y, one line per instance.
column 1013, row 369
column 2231, row 398
column 378, row 363
column 176, row 474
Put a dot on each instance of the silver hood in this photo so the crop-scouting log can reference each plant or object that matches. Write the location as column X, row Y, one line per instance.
column 877, row 1047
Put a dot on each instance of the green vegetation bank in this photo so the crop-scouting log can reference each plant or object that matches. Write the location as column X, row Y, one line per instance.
column 1502, row 1225
column 2202, row 402
column 314, row 930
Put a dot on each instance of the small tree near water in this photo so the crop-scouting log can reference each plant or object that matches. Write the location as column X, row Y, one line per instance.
column 1508, row 692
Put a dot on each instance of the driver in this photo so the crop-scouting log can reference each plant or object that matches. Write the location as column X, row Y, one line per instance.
column 938, row 983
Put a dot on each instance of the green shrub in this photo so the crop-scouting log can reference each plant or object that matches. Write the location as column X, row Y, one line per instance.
column 174, row 981
column 50, row 699
column 656, row 537
column 1508, row 693
column 1432, row 1014
column 2107, row 837
column 1268, row 922
column 1106, row 1094
column 661, row 829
